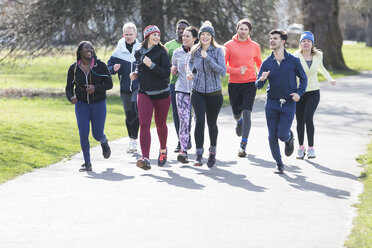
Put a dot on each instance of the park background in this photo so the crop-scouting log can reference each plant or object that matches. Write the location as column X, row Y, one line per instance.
column 38, row 41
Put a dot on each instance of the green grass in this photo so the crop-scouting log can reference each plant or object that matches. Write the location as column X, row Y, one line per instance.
column 42, row 73
column 361, row 235
column 37, row 132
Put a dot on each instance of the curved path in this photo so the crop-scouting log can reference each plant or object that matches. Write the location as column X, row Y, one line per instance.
column 240, row 203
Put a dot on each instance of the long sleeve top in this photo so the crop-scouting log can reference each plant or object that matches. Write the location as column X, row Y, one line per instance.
column 156, row 77
column 180, row 59
column 208, row 70
column 312, row 72
column 99, row 76
column 282, row 77
column 239, row 53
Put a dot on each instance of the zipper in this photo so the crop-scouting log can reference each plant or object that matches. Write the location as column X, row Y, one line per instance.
column 131, row 68
column 205, row 78
column 87, row 82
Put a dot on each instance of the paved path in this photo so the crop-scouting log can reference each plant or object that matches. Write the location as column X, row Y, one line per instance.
column 241, row 203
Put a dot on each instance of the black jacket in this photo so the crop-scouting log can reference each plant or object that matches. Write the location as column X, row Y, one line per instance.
column 157, row 78
column 98, row 75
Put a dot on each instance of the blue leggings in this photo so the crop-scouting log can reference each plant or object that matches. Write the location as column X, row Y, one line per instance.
column 94, row 113
column 279, row 119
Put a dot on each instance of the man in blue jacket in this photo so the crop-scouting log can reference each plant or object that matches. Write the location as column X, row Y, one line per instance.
column 122, row 62
column 281, row 69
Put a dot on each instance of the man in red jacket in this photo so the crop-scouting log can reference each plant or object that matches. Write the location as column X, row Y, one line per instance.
column 242, row 54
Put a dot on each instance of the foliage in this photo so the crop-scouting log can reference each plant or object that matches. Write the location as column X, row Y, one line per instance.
column 47, row 25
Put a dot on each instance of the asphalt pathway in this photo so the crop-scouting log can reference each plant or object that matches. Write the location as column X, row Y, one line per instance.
column 239, row 203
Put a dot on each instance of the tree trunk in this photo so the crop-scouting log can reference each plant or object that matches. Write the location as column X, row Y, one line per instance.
column 152, row 14
column 369, row 28
column 320, row 17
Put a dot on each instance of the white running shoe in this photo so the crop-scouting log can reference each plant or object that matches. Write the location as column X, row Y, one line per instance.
column 301, row 153
column 132, row 146
column 310, row 152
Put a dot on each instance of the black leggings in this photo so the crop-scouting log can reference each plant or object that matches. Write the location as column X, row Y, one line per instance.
column 305, row 109
column 209, row 106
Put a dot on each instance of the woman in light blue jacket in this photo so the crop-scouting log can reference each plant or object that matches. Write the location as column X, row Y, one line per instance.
column 183, row 87
column 206, row 66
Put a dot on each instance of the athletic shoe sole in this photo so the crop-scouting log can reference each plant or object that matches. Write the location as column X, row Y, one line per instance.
column 141, row 164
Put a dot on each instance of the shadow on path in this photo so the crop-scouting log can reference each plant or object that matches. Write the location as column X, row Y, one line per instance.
column 176, row 180
column 299, row 182
column 108, row 175
column 331, row 172
column 225, row 176
column 268, row 164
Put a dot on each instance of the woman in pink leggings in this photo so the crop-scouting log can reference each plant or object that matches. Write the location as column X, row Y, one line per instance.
column 153, row 71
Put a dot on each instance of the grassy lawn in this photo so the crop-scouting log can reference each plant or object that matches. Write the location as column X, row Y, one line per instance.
column 361, row 235
column 40, row 131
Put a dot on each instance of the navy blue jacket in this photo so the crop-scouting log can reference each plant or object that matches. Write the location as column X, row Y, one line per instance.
column 126, row 59
column 282, row 78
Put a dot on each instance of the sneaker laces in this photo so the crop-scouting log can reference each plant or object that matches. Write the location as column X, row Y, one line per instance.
column 163, row 156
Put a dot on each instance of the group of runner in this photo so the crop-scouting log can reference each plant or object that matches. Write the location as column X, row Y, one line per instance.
column 186, row 74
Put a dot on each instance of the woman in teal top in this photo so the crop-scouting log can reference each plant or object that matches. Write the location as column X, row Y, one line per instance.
column 312, row 62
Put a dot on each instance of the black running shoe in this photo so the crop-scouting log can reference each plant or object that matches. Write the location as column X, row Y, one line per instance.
column 162, row 159
column 182, row 157
column 289, row 145
column 87, row 166
column 143, row 163
column 280, row 169
column 242, row 152
column 106, row 151
column 198, row 160
column 211, row 160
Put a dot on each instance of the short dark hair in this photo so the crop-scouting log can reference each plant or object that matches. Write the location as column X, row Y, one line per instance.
column 283, row 34
column 194, row 32
column 183, row 21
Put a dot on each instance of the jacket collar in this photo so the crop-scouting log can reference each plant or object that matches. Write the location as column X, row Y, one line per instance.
column 123, row 48
column 286, row 55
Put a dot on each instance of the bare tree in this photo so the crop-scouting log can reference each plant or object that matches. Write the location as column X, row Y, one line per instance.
column 35, row 27
column 321, row 18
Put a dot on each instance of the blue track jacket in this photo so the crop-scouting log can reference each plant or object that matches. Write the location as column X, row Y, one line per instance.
column 282, row 78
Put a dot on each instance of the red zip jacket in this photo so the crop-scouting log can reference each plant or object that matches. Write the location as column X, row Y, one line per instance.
column 240, row 53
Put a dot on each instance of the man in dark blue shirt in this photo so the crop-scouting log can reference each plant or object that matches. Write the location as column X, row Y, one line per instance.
column 281, row 69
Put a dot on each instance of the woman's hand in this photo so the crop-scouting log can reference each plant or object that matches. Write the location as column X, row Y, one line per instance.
column 147, row 61
column 73, row 100
column 133, row 76
column 204, row 54
column 90, row 88
column 333, row 82
column 190, row 77
column 174, row 70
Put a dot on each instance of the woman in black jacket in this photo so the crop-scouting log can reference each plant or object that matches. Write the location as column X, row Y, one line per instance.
column 153, row 70
column 87, row 81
